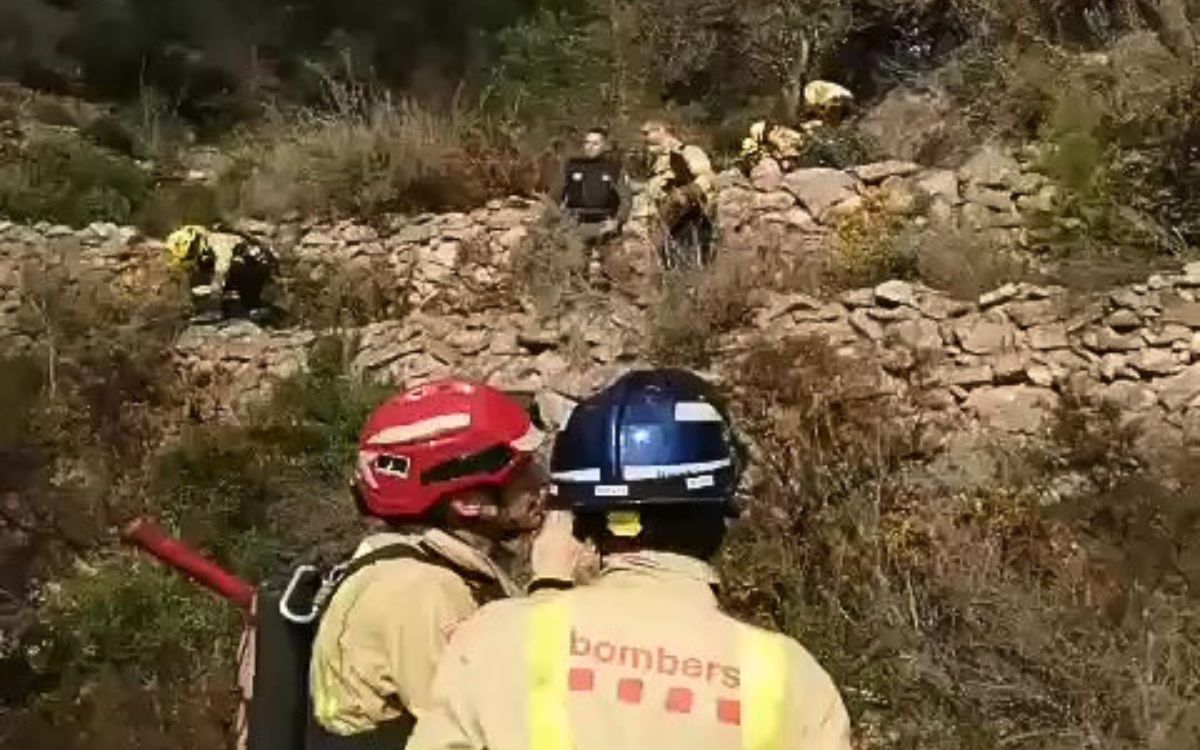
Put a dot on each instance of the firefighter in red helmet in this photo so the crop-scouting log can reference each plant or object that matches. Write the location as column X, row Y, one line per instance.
column 447, row 472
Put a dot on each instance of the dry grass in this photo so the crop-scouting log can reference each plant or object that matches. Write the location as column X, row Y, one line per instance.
column 549, row 266
column 694, row 307
column 365, row 153
column 957, row 616
column 965, row 263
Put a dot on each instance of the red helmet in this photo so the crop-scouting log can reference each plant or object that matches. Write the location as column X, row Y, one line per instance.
column 438, row 439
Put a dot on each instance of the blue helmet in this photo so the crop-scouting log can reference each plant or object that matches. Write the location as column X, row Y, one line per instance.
column 652, row 437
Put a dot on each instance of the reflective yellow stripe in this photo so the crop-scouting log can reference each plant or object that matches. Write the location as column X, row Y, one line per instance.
column 764, row 686
column 325, row 705
column 546, row 652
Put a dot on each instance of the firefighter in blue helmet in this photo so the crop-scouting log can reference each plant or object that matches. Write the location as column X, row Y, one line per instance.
column 642, row 657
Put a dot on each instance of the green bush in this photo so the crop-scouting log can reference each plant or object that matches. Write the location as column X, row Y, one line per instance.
column 69, row 181
column 140, row 617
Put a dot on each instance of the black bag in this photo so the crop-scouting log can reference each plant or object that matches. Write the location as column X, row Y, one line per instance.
column 280, row 713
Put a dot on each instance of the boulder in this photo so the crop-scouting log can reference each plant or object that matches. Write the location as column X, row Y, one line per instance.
column 919, row 336
column 1050, row 336
column 767, row 175
column 873, row 174
column 997, row 200
column 1107, row 340
column 863, row 323
column 820, row 189
column 940, row 183
column 895, row 293
column 1155, row 362
column 1013, row 408
column 774, row 201
column 1032, row 313
column 991, row 167
column 968, row 376
column 999, row 296
column 1123, row 320
column 1182, row 313
column 989, row 333
column 1177, row 391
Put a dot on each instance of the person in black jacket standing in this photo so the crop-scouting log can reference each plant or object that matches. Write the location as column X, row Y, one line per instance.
column 594, row 191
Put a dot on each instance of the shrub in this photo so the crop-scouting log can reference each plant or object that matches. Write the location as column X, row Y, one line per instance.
column 965, row 263
column 694, row 307
column 867, row 248
column 365, row 153
column 65, row 180
column 139, row 617
column 550, row 264
column 958, row 617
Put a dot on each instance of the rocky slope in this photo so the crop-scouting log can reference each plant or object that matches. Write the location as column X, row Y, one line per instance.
column 1003, row 361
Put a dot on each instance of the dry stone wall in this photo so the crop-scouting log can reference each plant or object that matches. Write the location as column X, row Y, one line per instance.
column 1003, row 361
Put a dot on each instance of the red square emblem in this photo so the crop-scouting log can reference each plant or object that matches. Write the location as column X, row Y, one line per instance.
column 729, row 712
column 581, row 680
column 679, row 700
column 629, row 691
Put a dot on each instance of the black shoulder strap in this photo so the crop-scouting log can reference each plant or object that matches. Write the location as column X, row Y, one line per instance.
column 483, row 585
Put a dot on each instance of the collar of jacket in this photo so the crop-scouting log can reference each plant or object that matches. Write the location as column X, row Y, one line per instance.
column 654, row 568
column 446, row 545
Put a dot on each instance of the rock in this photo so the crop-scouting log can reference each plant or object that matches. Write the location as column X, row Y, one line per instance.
column 970, row 376
column 897, row 361
column 1155, row 362
column 1051, row 336
column 506, row 218
column 844, row 210
column 909, row 122
column 1128, row 396
column 1167, row 335
column 863, row 323
column 820, row 189
column 1123, row 321
column 1014, row 408
column 991, row 167
column 999, row 296
column 997, row 200
column 895, row 293
column 939, row 307
column 776, row 201
column 1107, row 340
column 990, row 333
column 873, row 174
column 415, row 233
column 1182, row 313
column 940, row 183
column 1009, row 367
column 858, row 298
column 1045, row 201
column 1039, row 375
column 786, row 304
column 798, row 218
column 538, row 340
column 1177, row 391
column 554, row 409
column 767, row 175
column 1034, row 313
column 919, row 336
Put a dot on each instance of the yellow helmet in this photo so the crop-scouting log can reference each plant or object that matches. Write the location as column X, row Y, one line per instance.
column 184, row 244
column 825, row 94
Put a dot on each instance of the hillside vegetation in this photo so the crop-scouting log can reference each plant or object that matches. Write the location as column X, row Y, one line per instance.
column 990, row 597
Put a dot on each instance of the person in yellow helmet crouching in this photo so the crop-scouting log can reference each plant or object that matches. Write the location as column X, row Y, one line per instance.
column 768, row 140
column 227, row 272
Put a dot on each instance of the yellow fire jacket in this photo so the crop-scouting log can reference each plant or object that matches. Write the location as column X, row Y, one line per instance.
column 641, row 659
column 379, row 641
